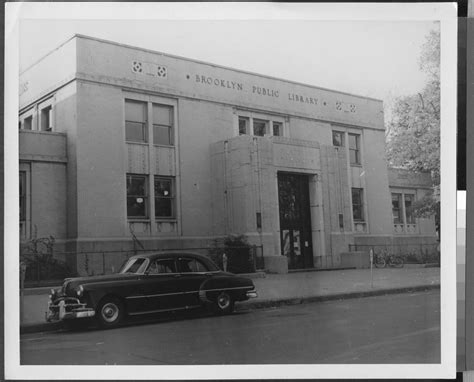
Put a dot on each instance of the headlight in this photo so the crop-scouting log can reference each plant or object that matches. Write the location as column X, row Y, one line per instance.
column 80, row 291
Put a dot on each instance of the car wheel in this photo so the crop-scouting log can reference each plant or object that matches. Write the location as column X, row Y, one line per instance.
column 224, row 303
column 109, row 312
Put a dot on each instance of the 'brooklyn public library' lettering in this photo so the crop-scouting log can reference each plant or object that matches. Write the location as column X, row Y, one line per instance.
column 265, row 91
column 300, row 98
column 219, row 82
column 262, row 91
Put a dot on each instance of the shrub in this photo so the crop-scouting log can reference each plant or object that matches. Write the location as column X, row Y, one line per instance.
column 238, row 251
column 37, row 261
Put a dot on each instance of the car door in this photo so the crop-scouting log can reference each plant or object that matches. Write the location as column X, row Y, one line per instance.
column 162, row 286
column 193, row 273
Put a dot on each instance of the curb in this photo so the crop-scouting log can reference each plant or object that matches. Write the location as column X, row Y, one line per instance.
column 56, row 326
column 43, row 327
column 336, row 296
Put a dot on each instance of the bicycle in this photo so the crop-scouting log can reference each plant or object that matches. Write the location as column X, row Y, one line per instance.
column 381, row 260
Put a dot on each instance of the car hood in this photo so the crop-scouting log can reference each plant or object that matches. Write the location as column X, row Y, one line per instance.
column 72, row 283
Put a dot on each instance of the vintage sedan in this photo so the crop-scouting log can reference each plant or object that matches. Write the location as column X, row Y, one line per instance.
column 150, row 283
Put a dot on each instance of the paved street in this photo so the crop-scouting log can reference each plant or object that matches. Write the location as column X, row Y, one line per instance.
column 403, row 328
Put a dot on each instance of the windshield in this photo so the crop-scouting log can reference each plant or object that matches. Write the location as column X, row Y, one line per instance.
column 135, row 265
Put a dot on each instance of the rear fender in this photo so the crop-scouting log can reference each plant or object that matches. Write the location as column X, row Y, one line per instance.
column 236, row 287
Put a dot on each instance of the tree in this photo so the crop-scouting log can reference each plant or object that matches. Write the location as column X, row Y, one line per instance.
column 413, row 133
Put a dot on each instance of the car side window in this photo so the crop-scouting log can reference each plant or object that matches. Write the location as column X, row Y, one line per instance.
column 191, row 265
column 161, row 266
column 134, row 265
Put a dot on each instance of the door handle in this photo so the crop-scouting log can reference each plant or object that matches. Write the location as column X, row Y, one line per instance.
column 177, row 276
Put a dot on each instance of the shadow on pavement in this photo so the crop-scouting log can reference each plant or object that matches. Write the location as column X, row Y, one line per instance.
column 89, row 324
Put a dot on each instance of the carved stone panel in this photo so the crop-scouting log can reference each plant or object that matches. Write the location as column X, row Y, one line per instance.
column 298, row 157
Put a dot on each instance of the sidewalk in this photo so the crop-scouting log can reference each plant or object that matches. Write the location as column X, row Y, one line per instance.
column 292, row 288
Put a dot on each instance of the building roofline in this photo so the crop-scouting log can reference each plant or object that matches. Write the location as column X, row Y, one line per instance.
column 78, row 35
column 47, row 54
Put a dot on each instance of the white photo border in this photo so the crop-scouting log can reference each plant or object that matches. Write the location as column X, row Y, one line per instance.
column 446, row 13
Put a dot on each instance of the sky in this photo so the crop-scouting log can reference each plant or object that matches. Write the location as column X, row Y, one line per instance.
column 378, row 59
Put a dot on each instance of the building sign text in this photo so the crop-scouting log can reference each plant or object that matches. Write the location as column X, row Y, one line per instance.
column 268, row 92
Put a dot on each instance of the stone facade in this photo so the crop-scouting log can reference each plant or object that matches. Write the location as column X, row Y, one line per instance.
column 230, row 135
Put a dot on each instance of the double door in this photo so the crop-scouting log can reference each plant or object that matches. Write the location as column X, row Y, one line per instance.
column 295, row 220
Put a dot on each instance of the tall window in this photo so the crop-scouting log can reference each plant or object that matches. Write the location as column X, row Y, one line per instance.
column 135, row 121
column 164, row 197
column 46, row 119
column 397, row 211
column 338, row 138
column 354, row 148
column 277, row 129
column 137, row 196
column 409, row 199
column 403, row 216
column 22, row 196
column 358, row 204
column 259, row 127
column 162, row 125
column 28, row 123
column 243, row 126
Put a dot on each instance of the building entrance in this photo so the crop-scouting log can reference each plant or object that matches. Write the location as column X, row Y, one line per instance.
column 295, row 220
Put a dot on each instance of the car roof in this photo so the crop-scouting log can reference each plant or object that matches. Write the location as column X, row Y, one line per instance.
column 168, row 254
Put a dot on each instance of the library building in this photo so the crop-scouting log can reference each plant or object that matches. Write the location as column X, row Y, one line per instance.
column 119, row 144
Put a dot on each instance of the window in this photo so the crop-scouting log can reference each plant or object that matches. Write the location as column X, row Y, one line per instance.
column 46, row 119
column 28, row 123
column 137, row 197
column 22, row 196
column 259, row 127
column 409, row 199
column 191, row 265
column 354, row 149
column 163, row 133
column 135, row 121
column 161, row 266
column 404, row 219
column 164, row 197
column 338, row 138
column 138, row 128
column 243, row 126
column 134, row 265
column 397, row 208
column 277, row 129
column 358, row 204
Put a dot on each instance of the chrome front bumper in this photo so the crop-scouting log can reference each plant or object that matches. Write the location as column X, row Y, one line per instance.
column 67, row 308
